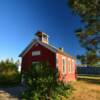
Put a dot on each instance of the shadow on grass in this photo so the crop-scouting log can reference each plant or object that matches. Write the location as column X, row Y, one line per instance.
column 92, row 80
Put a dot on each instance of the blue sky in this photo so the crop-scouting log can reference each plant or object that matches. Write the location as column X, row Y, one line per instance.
column 21, row 19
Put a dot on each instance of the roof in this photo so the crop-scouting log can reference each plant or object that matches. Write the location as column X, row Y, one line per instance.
column 50, row 47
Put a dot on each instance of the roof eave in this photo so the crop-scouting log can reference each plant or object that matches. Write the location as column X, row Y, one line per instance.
column 32, row 43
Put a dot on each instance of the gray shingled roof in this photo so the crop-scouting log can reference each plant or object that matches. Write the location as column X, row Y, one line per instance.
column 51, row 47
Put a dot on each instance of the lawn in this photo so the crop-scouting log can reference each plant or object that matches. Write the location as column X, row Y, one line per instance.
column 86, row 88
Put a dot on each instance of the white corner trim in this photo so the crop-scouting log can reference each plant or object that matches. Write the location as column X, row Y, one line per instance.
column 63, row 57
column 57, row 66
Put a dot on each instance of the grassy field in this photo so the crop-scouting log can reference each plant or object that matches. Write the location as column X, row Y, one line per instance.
column 86, row 88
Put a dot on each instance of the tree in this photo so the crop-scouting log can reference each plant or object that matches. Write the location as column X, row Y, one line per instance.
column 82, row 59
column 7, row 67
column 88, row 59
column 8, row 73
column 89, row 33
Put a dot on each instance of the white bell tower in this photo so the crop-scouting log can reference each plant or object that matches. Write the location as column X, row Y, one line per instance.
column 43, row 37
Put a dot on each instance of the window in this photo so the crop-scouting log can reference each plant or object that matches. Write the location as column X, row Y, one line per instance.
column 36, row 53
column 73, row 65
column 63, row 65
column 69, row 65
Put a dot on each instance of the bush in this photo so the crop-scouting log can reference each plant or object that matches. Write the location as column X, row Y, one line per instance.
column 42, row 84
column 9, row 74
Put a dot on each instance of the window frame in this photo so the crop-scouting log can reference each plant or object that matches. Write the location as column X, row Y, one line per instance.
column 69, row 65
column 36, row 53
column 73, row 66
column 64, row 66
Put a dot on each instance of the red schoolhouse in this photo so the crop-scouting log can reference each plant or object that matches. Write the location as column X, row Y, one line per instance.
column 40, row 50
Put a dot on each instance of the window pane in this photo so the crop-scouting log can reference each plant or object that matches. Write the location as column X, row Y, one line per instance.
column 73, row 66
column 64, row 66
column 69, row 69
column 35, row 53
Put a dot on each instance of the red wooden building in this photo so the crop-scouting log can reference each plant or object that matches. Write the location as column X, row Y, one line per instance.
column 40, row 50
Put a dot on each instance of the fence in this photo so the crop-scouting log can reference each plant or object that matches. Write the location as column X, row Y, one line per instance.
column 88, row 70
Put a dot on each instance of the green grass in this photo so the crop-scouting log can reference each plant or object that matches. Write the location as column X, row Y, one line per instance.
column 89, row 75
column 95, row 79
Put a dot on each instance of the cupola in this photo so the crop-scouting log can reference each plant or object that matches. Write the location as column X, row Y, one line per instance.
column 43, row 37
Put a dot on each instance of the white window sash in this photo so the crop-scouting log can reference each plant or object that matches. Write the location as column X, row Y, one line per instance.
column 69, row 65
column 73, row 66
column 64, row 66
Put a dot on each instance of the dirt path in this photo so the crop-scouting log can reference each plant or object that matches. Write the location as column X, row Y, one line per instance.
column 86, row 90
column 6, row 96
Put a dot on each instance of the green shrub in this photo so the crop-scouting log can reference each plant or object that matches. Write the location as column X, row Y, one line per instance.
column 9, row 74
column 42, row 84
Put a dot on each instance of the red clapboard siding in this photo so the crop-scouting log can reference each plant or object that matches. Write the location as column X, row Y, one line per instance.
column 68, row 76
column 46, row 56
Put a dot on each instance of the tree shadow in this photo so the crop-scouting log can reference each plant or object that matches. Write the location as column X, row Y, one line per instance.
column 13, row 91
column 90, row 80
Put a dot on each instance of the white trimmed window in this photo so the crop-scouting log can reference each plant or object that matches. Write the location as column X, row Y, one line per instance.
column 63, row 65
column 69, row 65
column 36, row 53
column 73, row 65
